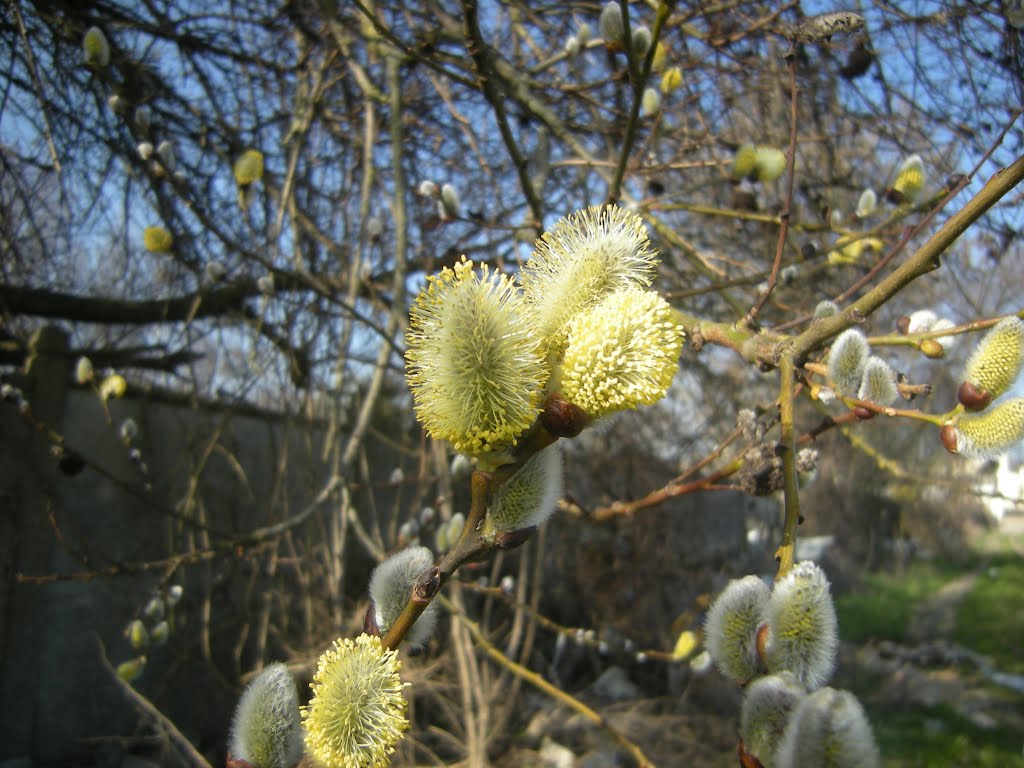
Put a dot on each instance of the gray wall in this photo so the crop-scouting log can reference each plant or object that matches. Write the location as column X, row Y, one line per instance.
column 58, row 704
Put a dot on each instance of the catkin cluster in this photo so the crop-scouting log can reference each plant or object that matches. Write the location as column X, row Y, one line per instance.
column 782, row 643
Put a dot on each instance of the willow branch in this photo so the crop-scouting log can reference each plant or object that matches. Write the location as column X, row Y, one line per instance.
column 786, row 551
column 925, row 260
column 482, row 59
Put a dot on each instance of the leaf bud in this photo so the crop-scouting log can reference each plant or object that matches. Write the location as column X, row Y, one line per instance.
column 562, row 418
column 972, row 398
column 932, row 348
column 513, row 539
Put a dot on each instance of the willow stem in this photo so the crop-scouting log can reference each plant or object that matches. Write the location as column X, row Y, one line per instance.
column 787, row 550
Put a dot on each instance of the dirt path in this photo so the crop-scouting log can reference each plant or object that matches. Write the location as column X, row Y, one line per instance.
column 936, row 617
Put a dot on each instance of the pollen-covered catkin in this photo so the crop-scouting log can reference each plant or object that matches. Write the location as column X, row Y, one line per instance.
column 997, row 360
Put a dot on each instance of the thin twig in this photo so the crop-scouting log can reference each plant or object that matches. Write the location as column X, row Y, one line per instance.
column 174, row 736
column 545, row 687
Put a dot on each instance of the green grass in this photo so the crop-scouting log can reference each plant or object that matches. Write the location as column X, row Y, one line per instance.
column 880, row 608
column 939, row 738
column 990, row 620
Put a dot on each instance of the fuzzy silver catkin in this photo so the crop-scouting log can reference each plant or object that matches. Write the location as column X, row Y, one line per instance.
column 846, row 361
column 730, row 630
column 610, row 23
column 391, row 586
column 266, row 730
column 803, row 632
column 878, row 383
column 766, row 708
column 828, row 729
column 867, row 203
column 530, row 496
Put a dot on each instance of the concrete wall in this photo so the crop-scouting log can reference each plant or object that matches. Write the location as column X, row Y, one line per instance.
column 91, row 536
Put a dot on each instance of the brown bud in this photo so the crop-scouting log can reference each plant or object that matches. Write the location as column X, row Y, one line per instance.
column 955, row 180
column 370, row 621
column 513, row 539
column 427, row 584
column 761, row 644
column 236, row 763
column 931, row 348
column 903, row 324
column 894, row 196
column 862, row 413
column 747, row 760
column 561, row 418
column 948, row 437
column 972, row 398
